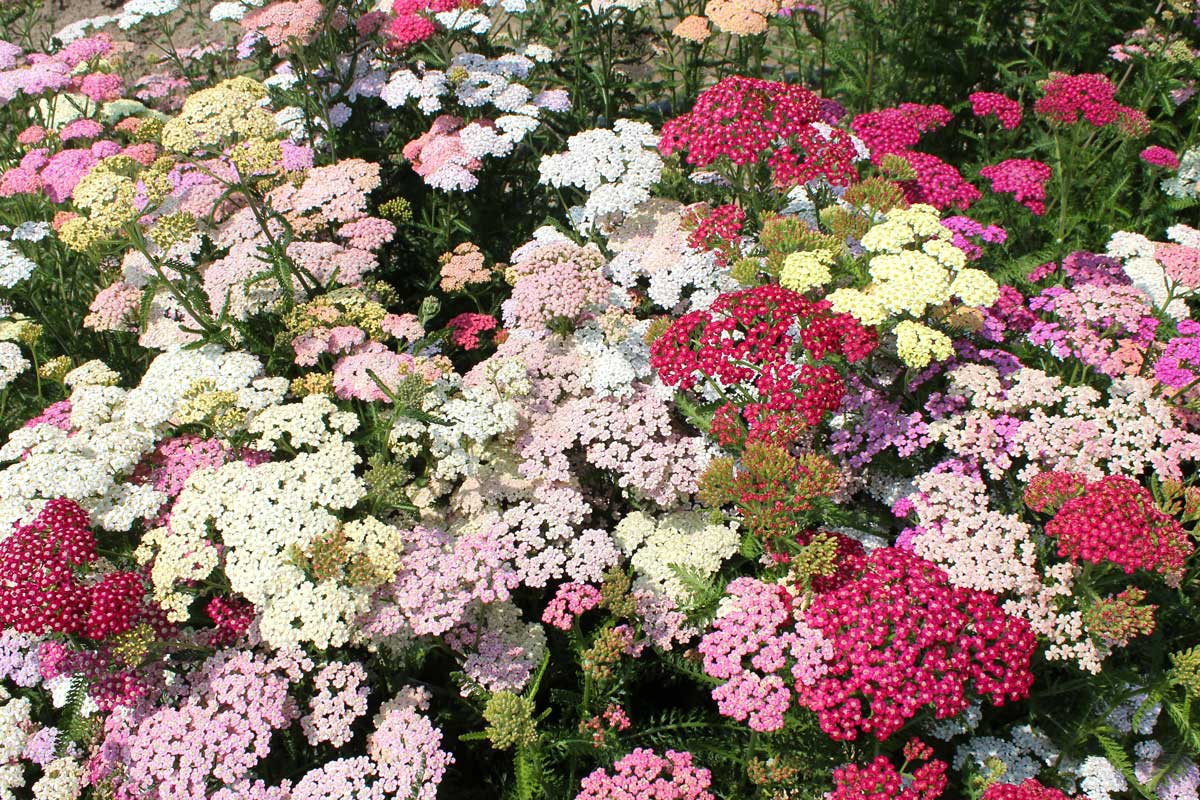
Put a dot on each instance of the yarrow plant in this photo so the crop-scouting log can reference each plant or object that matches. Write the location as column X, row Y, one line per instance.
column 604, row 399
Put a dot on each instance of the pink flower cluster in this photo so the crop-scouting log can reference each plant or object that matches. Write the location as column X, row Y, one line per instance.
column 754, row 638
column 466, row 328
column 51, row 73
column 438, row 155
column 1106, row 327
column 1178, row 367
column 645, row 775
column 1007, row 110
column 412, row 24
column 340, row 699
column 218, row 733
column 114, row 308
column 570, row 601
column 966, row 229
column 904, row 638
column 747, row 120
column 894, row 132
column 1024, row 178
column 285, row 24
column 1116, row 522
column 555, row 283
column 1066, row 98
column 1160, row 156
column 441, row 576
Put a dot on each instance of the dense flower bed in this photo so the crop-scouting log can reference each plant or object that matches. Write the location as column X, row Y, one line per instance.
column 541, row 399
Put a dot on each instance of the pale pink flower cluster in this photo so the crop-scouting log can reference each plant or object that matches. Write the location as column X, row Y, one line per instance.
column 553, row 282
column 340, row 699
column 761, row 651
column 441, row 577
column 114, row 308
column 1030, row 417
column 439, row 157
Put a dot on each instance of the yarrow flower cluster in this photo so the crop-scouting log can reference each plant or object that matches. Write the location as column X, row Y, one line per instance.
column 765, row 655
column 716, row 436
column 743, row 121
column 903, row 637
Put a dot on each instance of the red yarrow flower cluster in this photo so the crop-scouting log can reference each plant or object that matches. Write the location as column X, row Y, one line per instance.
column 1005, row 109
column 905, row 638
column 411, row 23
column 939, row 184
column 879, row 780
column 232, row 618
column 1047, row 491
column 42, row 590
column 1116, row 522
column 750, row 121
column 718, row 230
column 744, row 341
column 1066, row 98
column 1160, row 156
column 1030, row 789
column 1024, row 178
column 894, row 132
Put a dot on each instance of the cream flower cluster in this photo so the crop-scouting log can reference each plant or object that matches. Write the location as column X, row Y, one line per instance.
column 914, row 271
column 806, row 269
column 266, row 519
column 111, row 429
column 687, row 540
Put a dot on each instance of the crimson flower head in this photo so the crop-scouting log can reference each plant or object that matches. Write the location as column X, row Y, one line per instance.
column 905, row 638
column 752, row 121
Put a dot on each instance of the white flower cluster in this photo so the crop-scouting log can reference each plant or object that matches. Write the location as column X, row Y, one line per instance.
column 516, row 7
column 12, row 363
column 1025, row 753
column 29, row 231
column 651, row 245
column 14, row 728
column 62, row 779
column 81, row 28
column 473, row 81
column 478, row 414
column 464, row 19
column 1136, row 254
column 267, row 519
column 616, row 354
column 612, row 10
column 1099, row 779
column 135, row 11
column 14, row 265
column 616, row 167
column 685, row 539
column 1185, row 183
column 112, row 429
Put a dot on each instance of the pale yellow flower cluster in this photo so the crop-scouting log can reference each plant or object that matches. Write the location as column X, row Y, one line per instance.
column 915, row 272
column 806, row 269
column 230, row 111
